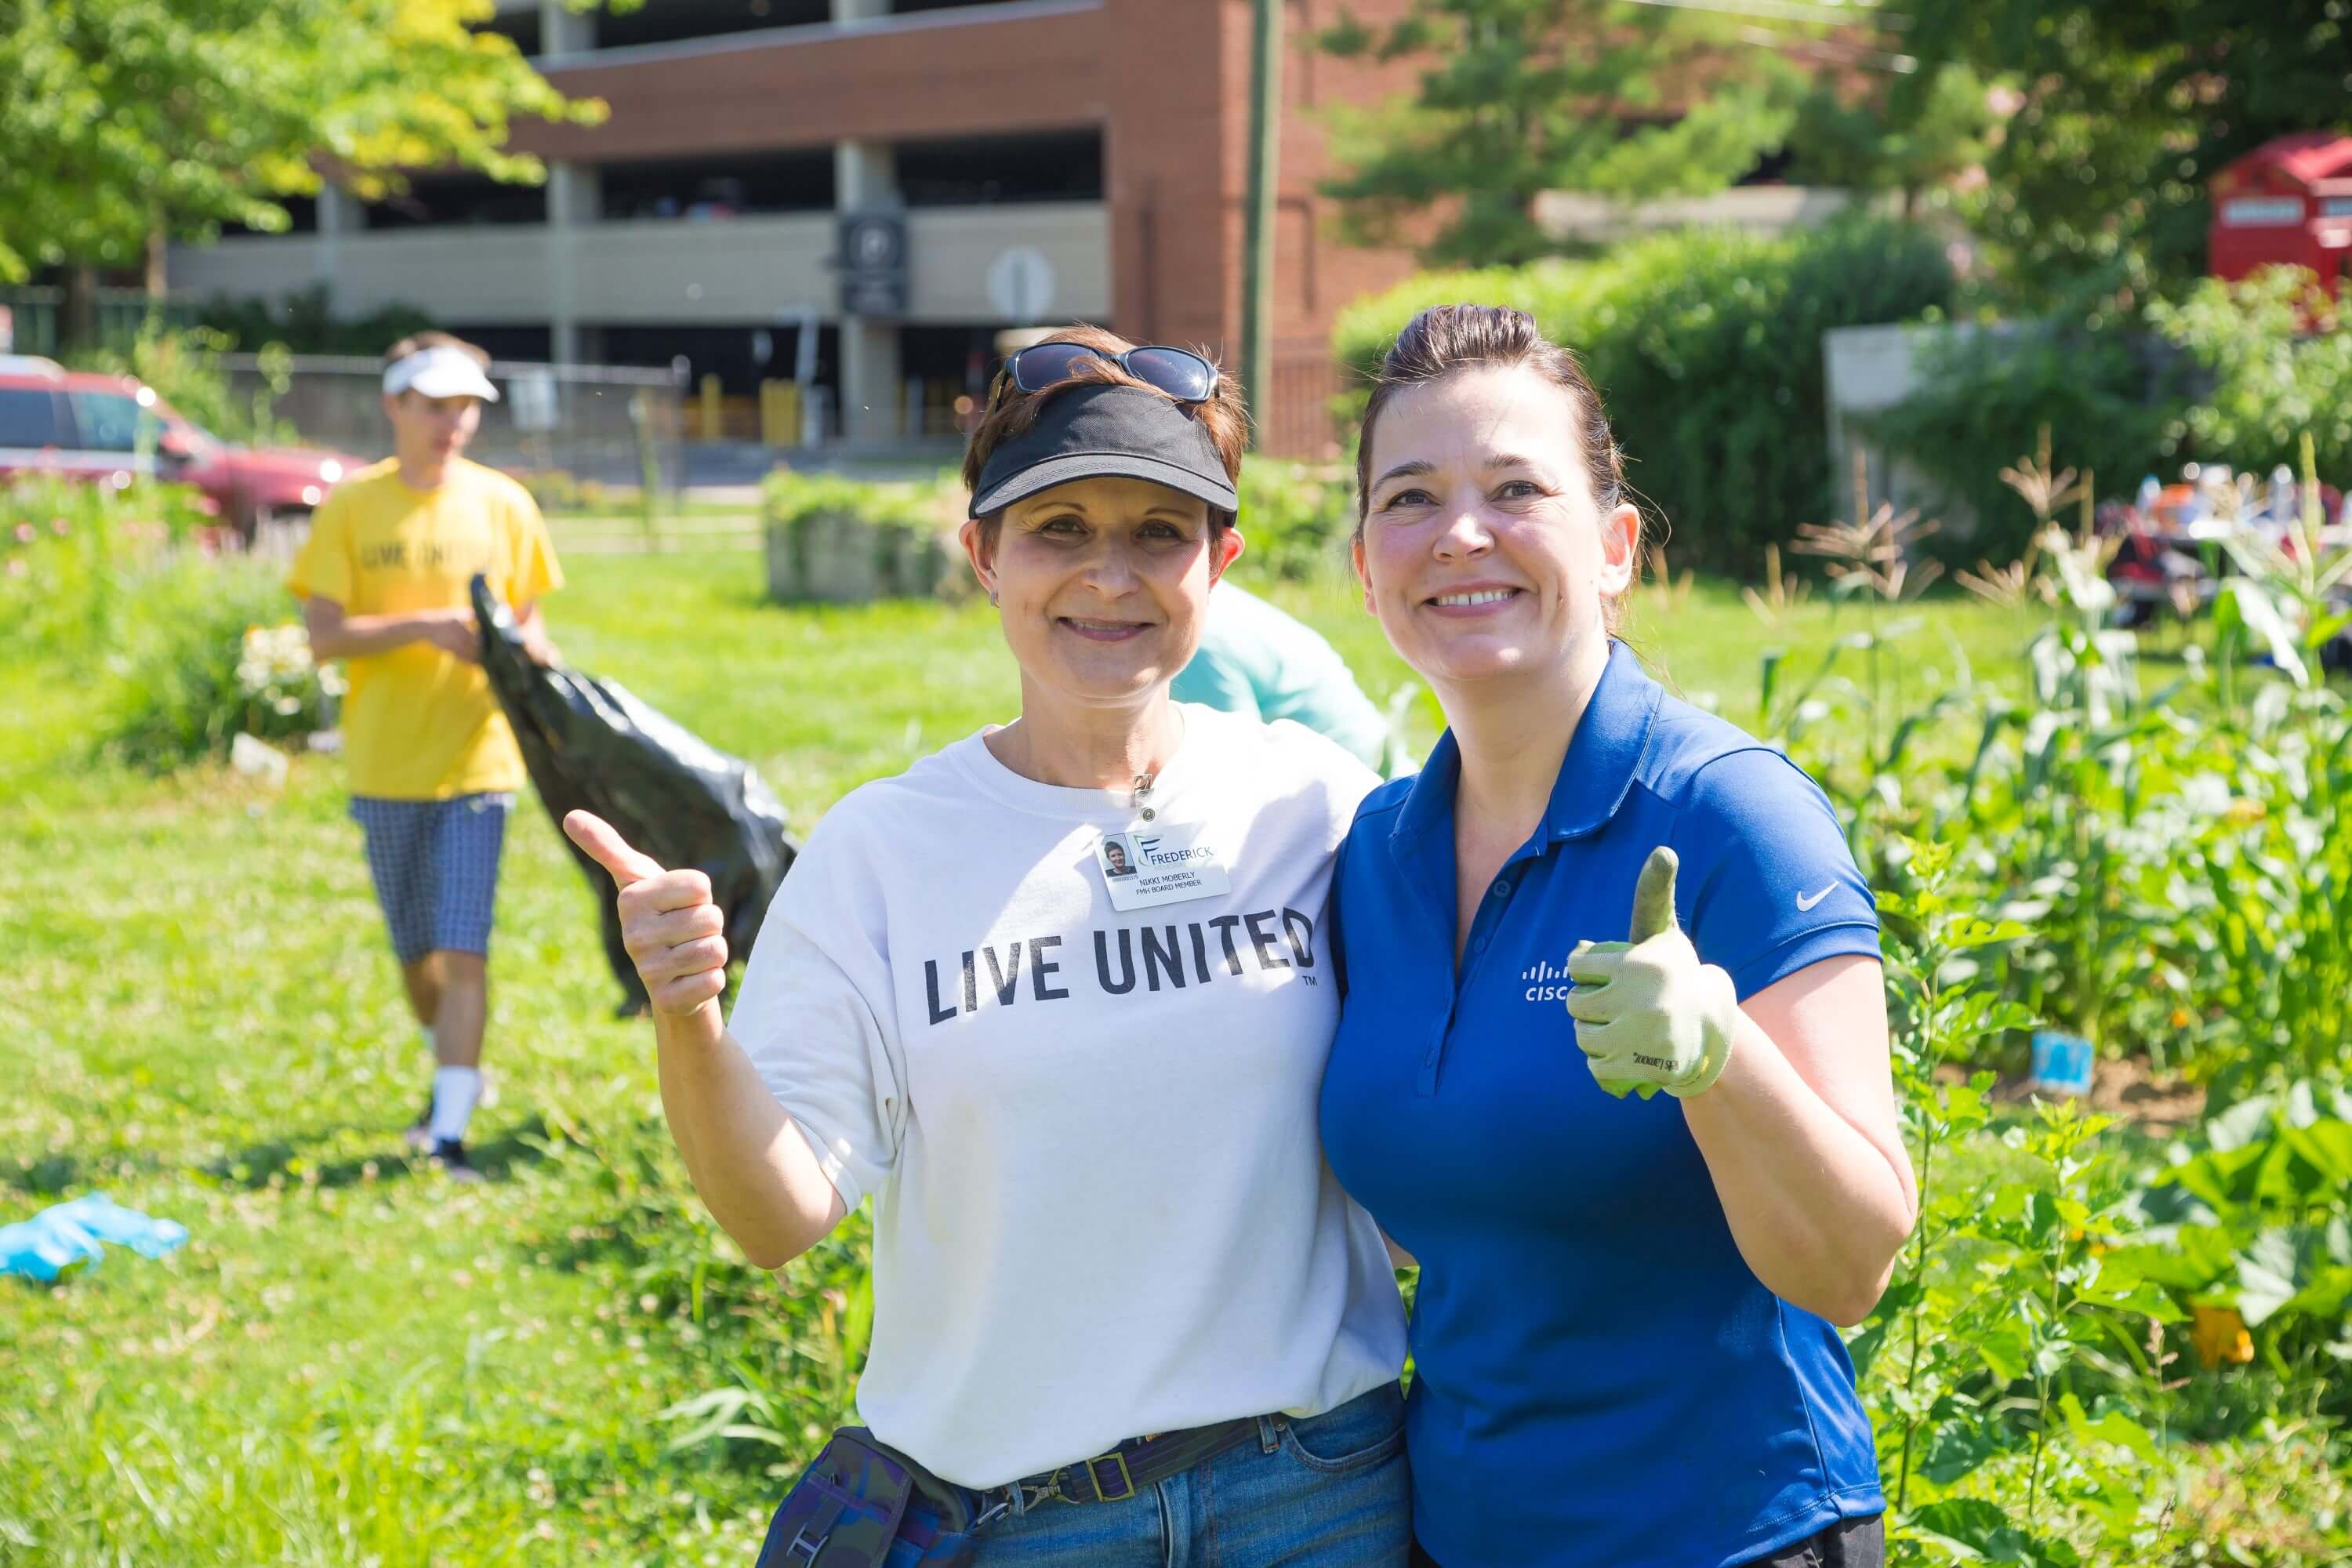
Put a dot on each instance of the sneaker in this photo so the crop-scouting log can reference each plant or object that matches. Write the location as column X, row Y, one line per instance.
column 418, row 1134
column 450, row 1156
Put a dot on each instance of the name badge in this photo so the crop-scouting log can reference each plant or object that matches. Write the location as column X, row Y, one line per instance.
column 1165, row 864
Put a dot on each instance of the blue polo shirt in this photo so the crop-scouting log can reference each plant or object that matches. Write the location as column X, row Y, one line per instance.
column 1599, row 1378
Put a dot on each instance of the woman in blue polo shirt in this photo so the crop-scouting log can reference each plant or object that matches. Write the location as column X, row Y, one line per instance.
column 1622, row 1344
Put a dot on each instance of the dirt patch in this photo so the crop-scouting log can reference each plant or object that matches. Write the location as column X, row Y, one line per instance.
column 2126, row 1090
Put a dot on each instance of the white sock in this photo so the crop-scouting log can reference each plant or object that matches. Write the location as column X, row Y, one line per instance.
column 455, row 1090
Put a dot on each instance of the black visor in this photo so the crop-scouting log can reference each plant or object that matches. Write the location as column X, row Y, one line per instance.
column 1098, row 432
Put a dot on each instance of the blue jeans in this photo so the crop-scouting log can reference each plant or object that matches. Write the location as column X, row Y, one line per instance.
column 1329, row 1492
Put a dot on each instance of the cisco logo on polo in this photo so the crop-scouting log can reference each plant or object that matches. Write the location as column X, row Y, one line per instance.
column 1547, row 982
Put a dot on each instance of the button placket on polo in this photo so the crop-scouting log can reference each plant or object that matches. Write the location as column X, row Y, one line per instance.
column 1490, row 914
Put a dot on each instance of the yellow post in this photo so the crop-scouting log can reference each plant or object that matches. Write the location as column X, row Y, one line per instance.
column 711, row 427
column 788, row 414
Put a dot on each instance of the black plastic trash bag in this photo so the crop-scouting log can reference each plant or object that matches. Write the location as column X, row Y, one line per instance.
column 589, row 746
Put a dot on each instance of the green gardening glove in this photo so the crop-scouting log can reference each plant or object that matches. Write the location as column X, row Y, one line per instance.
column 1649, row 1015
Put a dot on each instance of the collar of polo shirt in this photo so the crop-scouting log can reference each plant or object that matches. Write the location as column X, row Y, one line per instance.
column 1603, row 758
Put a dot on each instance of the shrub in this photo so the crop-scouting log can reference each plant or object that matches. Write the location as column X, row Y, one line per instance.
column 211, row 656
column 791, row 496
column 134, row 582
column 2277, row 363
column 558, row 492
column 1297, row 518
column 1706, row 346
column 2233, row 372
column 184, row 367
column 74, row 557
column 842, row 540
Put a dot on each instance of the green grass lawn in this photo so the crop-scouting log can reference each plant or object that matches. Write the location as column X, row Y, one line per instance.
column 353, row 1360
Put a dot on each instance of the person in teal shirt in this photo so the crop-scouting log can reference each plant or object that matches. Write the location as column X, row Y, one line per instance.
column 1257, row 660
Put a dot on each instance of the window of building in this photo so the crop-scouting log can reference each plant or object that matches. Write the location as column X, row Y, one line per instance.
column 524, row 344
column 799, row 179
column 732, row 353
column 945, row 372
column 673, row 21
column 443, row 200
column 968, row 171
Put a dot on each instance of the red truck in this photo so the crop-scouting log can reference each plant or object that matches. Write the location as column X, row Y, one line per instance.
column 88, row 426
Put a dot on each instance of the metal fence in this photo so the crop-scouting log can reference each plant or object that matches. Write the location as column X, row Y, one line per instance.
column 122, row 312
column 577, row 419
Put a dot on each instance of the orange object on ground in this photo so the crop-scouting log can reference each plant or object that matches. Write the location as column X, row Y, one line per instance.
column 2220, row 1336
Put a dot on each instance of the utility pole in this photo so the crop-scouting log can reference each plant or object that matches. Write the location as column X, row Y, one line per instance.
column 1264, row 161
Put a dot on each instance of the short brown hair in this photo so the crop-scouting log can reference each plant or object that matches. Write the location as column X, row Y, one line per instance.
column 418, row 342
column 1011, row 412
column 1448, row 338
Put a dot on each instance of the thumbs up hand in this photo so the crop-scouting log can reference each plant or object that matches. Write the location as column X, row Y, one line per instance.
column 674, row 932
column 1649, row 1015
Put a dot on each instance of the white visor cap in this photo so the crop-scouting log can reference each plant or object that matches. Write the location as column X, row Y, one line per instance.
column 439, row 371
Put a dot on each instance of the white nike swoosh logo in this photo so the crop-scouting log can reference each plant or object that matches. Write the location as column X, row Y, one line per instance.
column 1804, row 904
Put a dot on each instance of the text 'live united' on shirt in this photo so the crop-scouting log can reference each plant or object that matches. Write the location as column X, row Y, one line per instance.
column 1086, row 1117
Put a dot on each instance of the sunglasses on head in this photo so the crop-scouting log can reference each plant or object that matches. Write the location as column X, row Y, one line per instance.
column 1182, row 374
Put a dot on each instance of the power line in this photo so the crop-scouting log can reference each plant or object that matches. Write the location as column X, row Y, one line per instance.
column 1835, row 53
column 1791, row 11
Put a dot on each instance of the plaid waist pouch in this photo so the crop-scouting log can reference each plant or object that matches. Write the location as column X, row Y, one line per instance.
column 865, row 1505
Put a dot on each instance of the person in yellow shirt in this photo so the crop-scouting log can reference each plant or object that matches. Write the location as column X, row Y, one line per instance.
column 434, row 768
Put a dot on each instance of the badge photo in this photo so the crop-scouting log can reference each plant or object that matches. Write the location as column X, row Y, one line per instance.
column 1116, row 853
column 1168, row 863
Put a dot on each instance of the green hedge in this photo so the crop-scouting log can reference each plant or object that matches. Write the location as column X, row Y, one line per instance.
column 1706, row 346
column 1297, row 518
column 2276, row 363
column 791, row 496
column 844, row 540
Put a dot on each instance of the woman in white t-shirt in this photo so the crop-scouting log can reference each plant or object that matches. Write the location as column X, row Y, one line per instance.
column 1119, row 1297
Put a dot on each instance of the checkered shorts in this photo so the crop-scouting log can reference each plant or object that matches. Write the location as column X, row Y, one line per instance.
column 436, row 864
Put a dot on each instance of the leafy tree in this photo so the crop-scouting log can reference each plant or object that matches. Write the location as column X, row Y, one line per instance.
column 1913, row 135
column 1526, row 96
column 129, row 122
column 2127, row 107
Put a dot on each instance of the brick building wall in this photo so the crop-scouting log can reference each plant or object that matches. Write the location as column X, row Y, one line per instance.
column 1168, row 83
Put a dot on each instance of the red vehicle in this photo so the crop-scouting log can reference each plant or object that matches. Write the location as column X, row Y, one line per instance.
column 88, row 426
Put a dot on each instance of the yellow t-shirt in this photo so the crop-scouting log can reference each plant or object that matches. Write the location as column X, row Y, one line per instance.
column 419, row 724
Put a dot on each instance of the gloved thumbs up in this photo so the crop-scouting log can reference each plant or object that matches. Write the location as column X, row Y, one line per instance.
column 1653, row 896
column 1649, row 1015
column 1654, row 915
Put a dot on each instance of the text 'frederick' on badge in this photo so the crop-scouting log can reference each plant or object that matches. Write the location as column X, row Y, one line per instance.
column 1165, row 865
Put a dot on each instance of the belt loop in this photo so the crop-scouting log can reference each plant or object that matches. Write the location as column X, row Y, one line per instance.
column 1269, row 1435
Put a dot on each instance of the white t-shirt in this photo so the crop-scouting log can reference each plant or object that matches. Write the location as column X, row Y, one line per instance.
column 1101, row 1208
